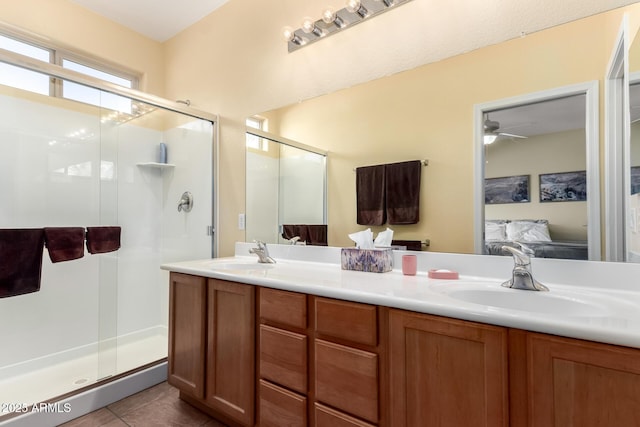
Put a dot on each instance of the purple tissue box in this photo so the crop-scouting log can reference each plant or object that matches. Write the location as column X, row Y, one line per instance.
column 371, row 260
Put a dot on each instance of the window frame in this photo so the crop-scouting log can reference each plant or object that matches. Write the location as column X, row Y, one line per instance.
column 59, row 52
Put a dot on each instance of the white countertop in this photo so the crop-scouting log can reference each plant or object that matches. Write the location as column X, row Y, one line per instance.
column 606, row 313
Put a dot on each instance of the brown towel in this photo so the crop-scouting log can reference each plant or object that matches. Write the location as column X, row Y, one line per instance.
column 64, row 243
column 411, row 245
column 402, row 183
column 103, row 239
column 289, row 231
column 317, row 235
column 20, row 261
column 370, row 195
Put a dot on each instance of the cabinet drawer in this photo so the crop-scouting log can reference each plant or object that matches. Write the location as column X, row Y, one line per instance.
column 279, row 407
column 347, row 320
column 283, row 358
column 283, row 307
column 347, row 379
column 327, row 417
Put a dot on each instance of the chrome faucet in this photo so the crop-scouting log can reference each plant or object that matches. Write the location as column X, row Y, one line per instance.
column 522, row 277
column 262, row 252
column 294, row 241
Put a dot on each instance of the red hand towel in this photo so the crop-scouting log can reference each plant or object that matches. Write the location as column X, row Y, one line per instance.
column 103, row 239
column 64, row 243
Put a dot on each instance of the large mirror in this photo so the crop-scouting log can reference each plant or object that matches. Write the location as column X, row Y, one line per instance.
column 286, row 189
column 427, row 113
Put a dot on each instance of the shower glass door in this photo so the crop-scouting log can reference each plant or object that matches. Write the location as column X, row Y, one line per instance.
column 93, row 161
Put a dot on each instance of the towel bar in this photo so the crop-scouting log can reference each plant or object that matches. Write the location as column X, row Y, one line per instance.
column 425, row 162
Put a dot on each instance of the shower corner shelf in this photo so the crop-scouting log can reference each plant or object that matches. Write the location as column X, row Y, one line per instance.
column 156, row 165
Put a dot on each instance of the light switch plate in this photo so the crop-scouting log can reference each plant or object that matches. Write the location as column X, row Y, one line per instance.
column 241, row 221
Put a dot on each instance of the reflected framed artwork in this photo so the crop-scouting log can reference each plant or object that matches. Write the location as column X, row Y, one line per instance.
column 508, row 189
column 563, row 187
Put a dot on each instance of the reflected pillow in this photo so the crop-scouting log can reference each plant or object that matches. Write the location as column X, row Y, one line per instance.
column 495, row 231
column 528, row 231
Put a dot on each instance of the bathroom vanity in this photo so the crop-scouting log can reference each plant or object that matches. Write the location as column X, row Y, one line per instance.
column 302, row 343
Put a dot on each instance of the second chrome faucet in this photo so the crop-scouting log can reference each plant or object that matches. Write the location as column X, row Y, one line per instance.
column 262, row 252
column 522, row 276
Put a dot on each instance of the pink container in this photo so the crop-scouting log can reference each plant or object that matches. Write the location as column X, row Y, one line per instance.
column 409, row 265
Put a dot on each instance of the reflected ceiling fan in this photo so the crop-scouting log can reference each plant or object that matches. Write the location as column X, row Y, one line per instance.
column 492, row 132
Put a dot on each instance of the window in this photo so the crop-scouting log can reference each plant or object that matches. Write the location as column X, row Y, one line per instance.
column 92, row 96
column 21, row 78
column 17, row 77
column 253, row 141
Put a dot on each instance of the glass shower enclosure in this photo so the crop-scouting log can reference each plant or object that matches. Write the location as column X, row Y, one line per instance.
column 88, row 163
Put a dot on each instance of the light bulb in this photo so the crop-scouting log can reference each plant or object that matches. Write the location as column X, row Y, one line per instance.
column 489, row 138
column 329, row 16
column 309, row 27
column 354, row 6
column 290, row 36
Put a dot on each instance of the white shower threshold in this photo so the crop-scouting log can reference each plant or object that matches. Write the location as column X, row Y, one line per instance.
column 27, row 389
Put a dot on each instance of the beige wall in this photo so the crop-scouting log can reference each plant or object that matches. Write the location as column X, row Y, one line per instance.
column 66, row 23
column 233, row 62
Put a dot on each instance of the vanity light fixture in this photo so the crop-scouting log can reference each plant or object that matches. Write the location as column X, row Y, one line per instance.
column 331, row 22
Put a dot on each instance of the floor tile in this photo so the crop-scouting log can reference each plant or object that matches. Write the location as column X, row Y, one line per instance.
column 101, row 417
column 138, row 400
column 158, row 406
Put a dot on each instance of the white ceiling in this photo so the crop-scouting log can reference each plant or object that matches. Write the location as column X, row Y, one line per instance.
column 157, row 19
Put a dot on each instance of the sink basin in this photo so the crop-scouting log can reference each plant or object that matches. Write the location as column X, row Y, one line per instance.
column 561, row 303
column 241, row 266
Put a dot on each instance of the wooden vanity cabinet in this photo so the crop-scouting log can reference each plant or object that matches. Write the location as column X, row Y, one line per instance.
column 558, row 382
column 447, row 372
column 322, row 362
column 283, row 357
column 348, row 367
column 212, row 346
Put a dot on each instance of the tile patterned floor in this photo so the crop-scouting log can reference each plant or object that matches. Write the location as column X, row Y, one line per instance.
column 157, row 406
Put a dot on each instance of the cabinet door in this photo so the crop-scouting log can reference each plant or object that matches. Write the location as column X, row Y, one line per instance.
column 230, row 386
column 581, row 383
column 446, row 372
column 187, row 305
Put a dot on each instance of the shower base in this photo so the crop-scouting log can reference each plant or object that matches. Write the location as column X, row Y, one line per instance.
column 39, row 381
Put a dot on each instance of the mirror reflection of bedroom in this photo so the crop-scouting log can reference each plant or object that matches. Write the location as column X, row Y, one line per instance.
column 535, row 179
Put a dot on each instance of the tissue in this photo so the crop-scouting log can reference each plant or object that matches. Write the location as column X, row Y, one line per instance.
column 383, row 239
column 363, row 239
